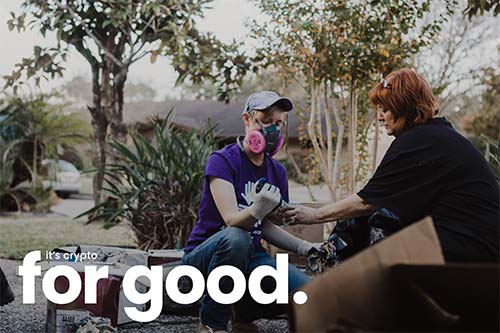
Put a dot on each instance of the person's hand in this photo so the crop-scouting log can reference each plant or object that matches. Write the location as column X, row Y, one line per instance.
column 276, row 216
column 265, row 201
column 307, row 248
column 298, row 214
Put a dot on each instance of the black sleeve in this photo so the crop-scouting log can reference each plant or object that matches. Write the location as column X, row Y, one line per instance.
column 405, row 181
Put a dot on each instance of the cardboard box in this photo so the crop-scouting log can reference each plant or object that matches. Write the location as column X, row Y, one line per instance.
column 65, row 320
column 162, row 257
column 469, row 293
column 111, row 299
column 359, row 294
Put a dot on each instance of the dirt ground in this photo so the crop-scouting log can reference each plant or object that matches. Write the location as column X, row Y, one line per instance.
column 26, row 318
column 20, row 235
column 27, row 232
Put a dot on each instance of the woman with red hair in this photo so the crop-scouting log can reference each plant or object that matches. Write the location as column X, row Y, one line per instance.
column 429, row 169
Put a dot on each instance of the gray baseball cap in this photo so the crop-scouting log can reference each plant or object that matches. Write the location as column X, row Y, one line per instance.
column 262, row 100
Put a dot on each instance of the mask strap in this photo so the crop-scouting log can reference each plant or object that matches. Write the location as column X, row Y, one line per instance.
column 239, row 142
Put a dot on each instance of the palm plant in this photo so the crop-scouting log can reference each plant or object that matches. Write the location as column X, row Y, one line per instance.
column 492, row 154
column 158, row 184
column 8, row 152
column 44, row 128
column 41, row 130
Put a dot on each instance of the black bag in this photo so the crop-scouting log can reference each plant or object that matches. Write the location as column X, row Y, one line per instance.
column 6, row 294
column 350, row 237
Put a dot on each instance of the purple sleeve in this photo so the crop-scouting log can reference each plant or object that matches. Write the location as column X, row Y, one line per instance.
column 218, row 166
column 284, row 184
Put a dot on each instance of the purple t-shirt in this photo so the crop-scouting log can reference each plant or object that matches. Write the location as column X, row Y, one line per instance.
column 233, row 165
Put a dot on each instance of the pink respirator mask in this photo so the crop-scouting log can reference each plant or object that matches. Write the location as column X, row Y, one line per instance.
column 267, row 139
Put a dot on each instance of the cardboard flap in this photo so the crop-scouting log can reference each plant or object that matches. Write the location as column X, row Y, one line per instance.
column 357, row 293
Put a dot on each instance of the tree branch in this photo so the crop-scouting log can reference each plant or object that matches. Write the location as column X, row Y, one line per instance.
column 89, row 32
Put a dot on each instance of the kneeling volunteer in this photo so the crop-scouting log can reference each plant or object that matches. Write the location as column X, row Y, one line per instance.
column 233, row 217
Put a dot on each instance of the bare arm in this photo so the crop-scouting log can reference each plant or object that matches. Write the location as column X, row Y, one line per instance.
column 280, row 238
column 285, row 240
column 225, row 200
column 352, row 206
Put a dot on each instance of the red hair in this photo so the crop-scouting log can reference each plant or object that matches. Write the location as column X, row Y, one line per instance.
column 408, row 96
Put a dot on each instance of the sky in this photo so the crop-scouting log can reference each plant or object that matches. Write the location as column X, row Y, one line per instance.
column 226, row 20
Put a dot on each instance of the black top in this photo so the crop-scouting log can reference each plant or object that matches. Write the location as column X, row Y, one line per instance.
column 433, row 170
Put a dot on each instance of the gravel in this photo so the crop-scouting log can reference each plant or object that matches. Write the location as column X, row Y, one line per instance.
column 17, row 317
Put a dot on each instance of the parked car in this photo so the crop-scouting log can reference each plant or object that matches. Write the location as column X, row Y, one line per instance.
column 62, row 176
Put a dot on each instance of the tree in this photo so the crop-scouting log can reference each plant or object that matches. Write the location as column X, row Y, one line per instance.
column 485, row 119
column 79, row 89
column 112, row 35
column 481, row 6
column 482, row 123
column 446, row 62
column 339, row 49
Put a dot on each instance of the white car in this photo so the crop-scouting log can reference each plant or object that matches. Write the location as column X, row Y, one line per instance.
column 62, row 176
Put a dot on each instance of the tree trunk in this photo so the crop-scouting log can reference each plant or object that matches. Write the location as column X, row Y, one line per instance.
column 34, row 181
column 107, row 119
column 329, row 140
column 110, row 125
column 100, row 125
column 108, row 81
column 312, row 134
column 353, row 121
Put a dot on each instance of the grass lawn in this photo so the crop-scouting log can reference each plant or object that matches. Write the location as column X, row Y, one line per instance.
column 20, row 235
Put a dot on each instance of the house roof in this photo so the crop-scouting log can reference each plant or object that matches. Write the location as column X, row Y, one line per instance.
column 195, row 114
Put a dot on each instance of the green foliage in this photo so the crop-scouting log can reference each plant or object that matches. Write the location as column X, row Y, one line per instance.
column 43, row 128
column 292, row 172
column 8, row 155
column 340, row 49
column 482, row 124
column 492, row 154
column 339, row 40
column 484, row 119
column 479, row 7
column 39, row 198
column 39, row 130
column 124, row 33
column 158, row 184
column 112, row 35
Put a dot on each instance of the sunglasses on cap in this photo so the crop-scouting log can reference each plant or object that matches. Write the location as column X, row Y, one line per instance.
column 385, row 83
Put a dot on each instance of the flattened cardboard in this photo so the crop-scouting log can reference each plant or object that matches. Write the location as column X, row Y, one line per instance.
column 471, row 292
column 358, row 293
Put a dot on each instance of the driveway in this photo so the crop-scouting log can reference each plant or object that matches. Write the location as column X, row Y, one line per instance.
column 73, row 206
column 78, row 204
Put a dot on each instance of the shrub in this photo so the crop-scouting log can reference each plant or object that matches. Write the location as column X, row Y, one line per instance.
column 492, row 154
column 158, row 184
column 9, row 199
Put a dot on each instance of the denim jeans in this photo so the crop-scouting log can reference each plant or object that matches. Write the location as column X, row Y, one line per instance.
column 233, row 246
